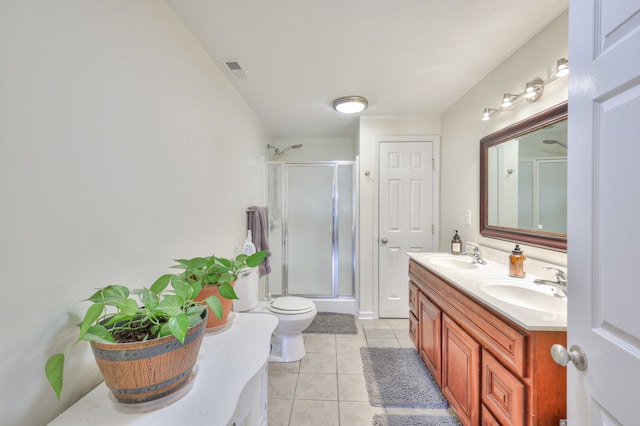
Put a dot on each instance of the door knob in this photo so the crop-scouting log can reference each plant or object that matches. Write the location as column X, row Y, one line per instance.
column 384, row 241
column 575, row 354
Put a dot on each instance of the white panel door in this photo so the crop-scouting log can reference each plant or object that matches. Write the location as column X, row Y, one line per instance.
column 405, row 218
column 604, row 205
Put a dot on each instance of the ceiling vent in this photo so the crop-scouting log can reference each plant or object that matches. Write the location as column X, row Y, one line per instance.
column 236, row 69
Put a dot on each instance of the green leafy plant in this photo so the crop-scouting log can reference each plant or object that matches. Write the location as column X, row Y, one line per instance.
column 220, row 271
column 116, row 317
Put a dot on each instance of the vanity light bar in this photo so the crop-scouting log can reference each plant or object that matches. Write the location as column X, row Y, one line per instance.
column 532, row 92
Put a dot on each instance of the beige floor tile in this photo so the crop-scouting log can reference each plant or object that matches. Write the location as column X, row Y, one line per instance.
column 406, row 343
column 282, row 385
column 322, row 387
column 401, row 333
column 318, row 363
column 350, row 363
column 285, row 367
column 384, row 343
column 279, row 411
column 399, row 323
column 357, row 413
column 315, row 413
column 320, row 343
column 379, row 333
column 350, row 345
column 377, row 323
column 352, row 387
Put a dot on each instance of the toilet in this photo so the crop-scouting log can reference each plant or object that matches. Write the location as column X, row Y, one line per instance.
column 294, row 315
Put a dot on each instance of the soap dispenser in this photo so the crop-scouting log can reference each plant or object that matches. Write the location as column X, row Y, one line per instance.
column 456, row 244
column 516, row 263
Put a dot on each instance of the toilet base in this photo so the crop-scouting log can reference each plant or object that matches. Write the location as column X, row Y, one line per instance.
column 287, row 348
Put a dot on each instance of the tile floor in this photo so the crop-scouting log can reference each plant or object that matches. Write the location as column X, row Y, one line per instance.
column 327, row 387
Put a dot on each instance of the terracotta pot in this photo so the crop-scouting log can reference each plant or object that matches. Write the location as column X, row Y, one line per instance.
column 212, row 320
column 145, row 371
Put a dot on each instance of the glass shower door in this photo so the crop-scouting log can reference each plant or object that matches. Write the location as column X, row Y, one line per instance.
column 310, row 223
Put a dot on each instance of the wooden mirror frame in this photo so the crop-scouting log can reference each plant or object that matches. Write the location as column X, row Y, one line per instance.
column 547, row 240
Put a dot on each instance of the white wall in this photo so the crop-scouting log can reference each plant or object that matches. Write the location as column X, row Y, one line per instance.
column 122, row 147
column 315, row 149
column 370, row 130
column 462, row 130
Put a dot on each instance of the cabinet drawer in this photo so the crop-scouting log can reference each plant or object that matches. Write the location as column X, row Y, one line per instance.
column 413, row 298
column 413, row 330
column 487, row 417
column 502, row 392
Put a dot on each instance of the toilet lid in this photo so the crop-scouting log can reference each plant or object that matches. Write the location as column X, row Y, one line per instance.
column 291, row 305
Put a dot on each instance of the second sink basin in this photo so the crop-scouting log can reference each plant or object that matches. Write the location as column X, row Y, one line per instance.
column 452, row 261
column 524, row 294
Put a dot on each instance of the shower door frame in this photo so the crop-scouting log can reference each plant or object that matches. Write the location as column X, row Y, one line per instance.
column 335, row 283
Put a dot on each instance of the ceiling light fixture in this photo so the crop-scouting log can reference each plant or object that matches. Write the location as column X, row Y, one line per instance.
column 532, row 92
column 350, row 104
column 506, row 100
column 488, row 113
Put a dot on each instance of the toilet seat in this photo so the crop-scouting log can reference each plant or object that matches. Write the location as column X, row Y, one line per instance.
column 291, row 305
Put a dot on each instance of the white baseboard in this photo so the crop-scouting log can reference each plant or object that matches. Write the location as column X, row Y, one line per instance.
column 366, row 315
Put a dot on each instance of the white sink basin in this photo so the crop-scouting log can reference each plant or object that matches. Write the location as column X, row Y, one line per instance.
column 524, row 294
column 452, row 261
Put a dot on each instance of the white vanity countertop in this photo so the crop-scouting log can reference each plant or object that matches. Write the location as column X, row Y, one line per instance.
column 466, row 279
column 226, row 363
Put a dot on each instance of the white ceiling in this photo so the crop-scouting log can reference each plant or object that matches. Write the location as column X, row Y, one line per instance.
column 404, row 56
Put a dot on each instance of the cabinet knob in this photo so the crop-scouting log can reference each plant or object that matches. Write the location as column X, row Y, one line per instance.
column 384, row 241
column 575, row 354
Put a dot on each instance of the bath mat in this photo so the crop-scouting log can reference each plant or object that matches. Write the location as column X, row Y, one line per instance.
column 397, row 377
column 414, row 420
column 333, row 323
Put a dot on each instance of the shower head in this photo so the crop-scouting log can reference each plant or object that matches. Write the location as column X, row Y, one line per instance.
column 277, row 152
column 553, row 141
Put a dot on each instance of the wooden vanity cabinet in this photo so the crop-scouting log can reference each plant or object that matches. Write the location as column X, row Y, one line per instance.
column 492, row 371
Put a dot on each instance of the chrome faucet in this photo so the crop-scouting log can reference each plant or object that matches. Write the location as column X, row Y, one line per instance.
column 476, row 254
column 559, row 285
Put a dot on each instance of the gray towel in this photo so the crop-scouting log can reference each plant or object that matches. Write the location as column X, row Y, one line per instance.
column 259, row 227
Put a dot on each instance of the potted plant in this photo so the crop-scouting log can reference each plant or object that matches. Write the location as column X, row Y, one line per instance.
column 217, row 276
column 160, row 331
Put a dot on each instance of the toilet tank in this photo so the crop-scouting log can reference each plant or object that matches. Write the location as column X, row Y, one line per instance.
column 247, row 289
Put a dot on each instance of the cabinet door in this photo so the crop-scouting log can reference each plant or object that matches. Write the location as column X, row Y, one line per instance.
column 461, row 372
column 413, row 298
column 502, row 392
column 430, row 329
column 487, row 418
column 413, row 330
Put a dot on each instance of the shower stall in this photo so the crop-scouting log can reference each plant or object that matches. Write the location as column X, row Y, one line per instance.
column 312, row 231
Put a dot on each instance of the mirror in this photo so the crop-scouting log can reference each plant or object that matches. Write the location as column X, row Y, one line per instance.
column 523, row 181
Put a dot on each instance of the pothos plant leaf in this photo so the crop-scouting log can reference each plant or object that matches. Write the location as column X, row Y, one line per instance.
column 257, row 258
column 215, row 305
column 110, row 294
column 171, row 305
column 90, row 317
column 227, row 291
column 98, row 333
column 54, row 370
column 182, row 289
column 161, row 283
column 179, row 326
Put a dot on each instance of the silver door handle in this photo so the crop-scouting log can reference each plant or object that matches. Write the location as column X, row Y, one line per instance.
column 575, row 354
column 384, row 241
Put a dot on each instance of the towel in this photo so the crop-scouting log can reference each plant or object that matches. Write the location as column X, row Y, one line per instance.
column 258, row 225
